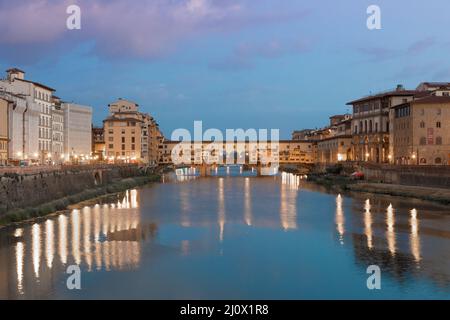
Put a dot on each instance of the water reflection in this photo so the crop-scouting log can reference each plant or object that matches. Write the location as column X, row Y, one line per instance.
column 390, row 232
column 36, row 236
column 19, row 266
column 247, row 202
column 415, row 239
column 221, row 209
column 340, row 219
column 368, row 224
column 101, row 237
column 233, row 216
column 49, row 242
column 288, row 206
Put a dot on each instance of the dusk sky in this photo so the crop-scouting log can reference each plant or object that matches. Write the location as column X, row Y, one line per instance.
column 231, row 63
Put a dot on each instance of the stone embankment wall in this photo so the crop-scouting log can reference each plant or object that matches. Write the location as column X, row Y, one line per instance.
column 29, row 187
column 426, row 176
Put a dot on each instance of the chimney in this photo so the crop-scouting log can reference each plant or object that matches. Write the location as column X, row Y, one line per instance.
column 15, row 73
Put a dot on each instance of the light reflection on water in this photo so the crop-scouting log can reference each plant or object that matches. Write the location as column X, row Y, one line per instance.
column 407, row 240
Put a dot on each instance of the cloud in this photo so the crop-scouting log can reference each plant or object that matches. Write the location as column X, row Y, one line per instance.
column 421, row 46
column 246, row 54
column 125, row 29
column 378, row 54
column 413, row 71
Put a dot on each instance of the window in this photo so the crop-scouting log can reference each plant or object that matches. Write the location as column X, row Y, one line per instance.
column 423, row 160
column 123, row 147
column 438, row 124
column 133, row 139
column 123, row 139
column 438, row 160
column 422, row 124
column 423, row 141
column 111, row 146
column 132, row 147
column 438, row 140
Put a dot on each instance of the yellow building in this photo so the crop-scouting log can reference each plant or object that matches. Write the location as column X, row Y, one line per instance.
column 287, row 152
column 334, row 149
column 130, row 135
column 123, row 132
column 296, row 152
column 4, row 137
column 155, row 139
column 337, row 146
column 421, row 131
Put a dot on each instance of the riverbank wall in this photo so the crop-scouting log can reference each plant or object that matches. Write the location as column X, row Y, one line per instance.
column 38, row 190
column 424, row 176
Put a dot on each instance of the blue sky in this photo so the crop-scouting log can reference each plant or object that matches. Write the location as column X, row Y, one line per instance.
column 230, row 63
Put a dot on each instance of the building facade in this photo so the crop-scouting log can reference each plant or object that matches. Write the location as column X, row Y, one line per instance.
column 98, row 144
column 77, row 132
column 4, row 129
column 371, row 124
column 421, row 131
column 296, row 152
column 57, row 154
column 130, row 135
column 126, row 132
column 24, row 116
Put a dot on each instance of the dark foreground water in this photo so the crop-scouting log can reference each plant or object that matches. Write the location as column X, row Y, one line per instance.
column 232, row 238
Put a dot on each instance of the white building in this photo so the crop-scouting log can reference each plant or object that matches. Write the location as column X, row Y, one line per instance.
column 77, row 131
column 32, row 116
column 57, row 131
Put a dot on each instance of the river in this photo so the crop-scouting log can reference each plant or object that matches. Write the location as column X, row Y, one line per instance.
column 232, row 236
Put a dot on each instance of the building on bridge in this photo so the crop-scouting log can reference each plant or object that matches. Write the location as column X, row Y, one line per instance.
column 283, row 152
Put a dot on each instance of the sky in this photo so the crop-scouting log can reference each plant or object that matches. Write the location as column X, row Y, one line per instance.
column 263, row 64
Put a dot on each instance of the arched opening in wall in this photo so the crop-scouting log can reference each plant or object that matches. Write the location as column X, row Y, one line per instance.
column 423, row 161
column 97, row 179
column 438, row 160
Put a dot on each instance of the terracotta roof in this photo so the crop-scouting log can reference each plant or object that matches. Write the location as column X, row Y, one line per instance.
column 124, row 119
column 37, row 84
column 15, row 70
column 385, row 95
column 436, row 84
column 344, row 136
column 433, row 99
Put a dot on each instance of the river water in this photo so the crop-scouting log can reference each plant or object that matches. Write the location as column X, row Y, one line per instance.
column 232, row 236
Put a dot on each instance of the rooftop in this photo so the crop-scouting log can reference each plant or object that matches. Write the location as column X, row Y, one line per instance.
column 386, row 94
column 37, row 84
